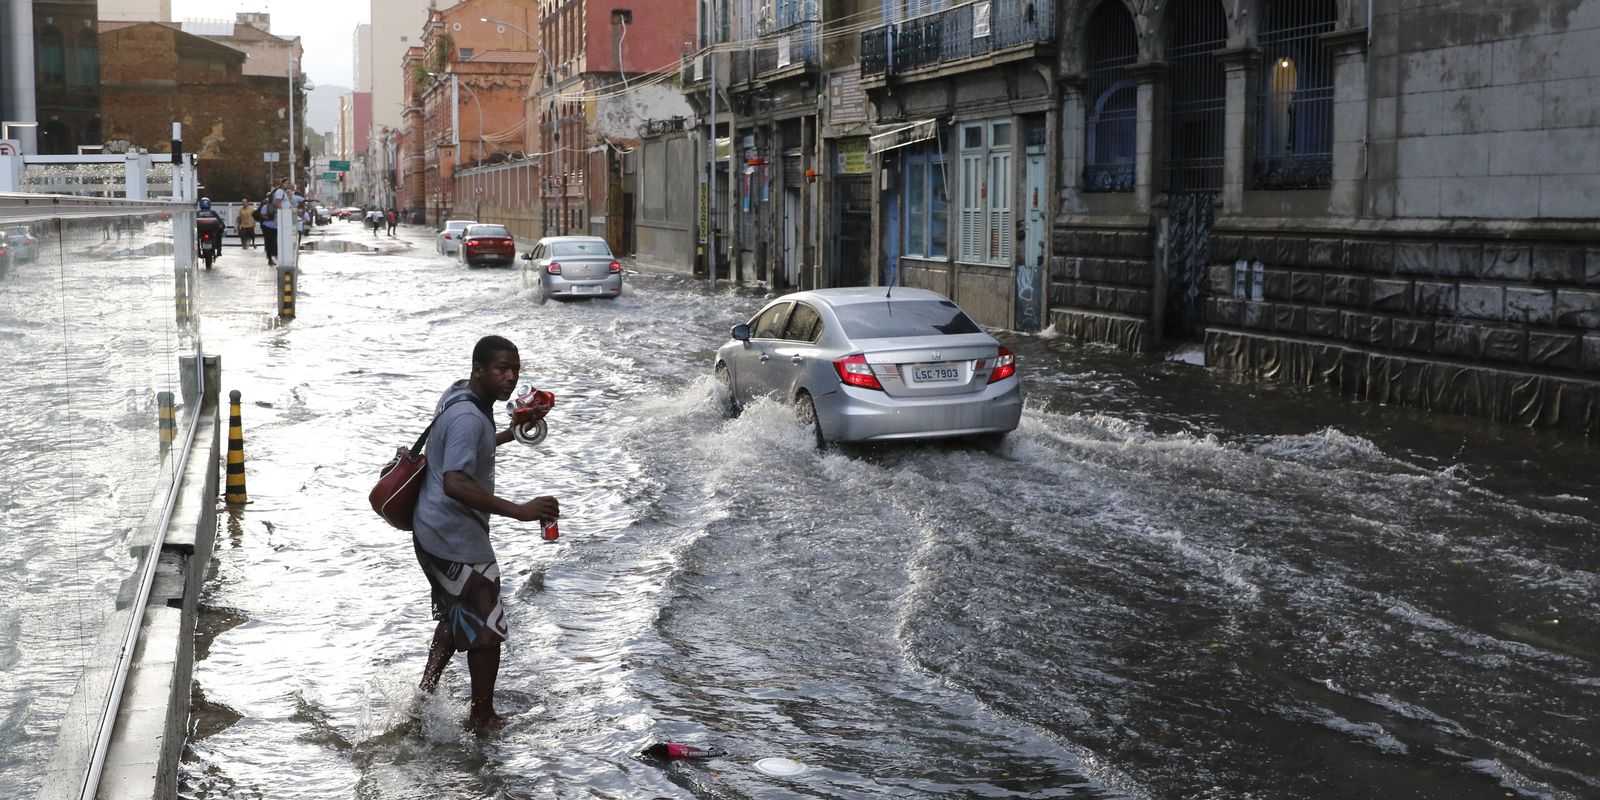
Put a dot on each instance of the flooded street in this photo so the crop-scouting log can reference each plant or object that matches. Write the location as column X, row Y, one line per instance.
column 1163, row 585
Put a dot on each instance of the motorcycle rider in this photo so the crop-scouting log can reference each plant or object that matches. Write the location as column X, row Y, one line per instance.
column 217, row 224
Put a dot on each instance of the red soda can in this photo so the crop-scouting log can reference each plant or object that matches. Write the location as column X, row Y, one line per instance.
column 551, row 530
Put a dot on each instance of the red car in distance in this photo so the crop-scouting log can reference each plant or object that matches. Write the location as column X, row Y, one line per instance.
column 487, row 244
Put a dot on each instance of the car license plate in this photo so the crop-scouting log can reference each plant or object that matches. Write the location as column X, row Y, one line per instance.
column 934, row 373
column 593, row 288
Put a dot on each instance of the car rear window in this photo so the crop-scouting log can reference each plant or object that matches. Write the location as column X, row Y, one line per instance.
column 578, row 249
column 887, row 319
column 488, row 230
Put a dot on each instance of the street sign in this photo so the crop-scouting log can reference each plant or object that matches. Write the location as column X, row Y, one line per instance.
column 330, row 176
column 269, row 158
column 337, row 166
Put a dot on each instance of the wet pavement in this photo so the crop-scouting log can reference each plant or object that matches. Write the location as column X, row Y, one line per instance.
column 1165, row 584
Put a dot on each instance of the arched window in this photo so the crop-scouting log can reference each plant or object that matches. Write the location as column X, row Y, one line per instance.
column 52, row 55
column 1111, row 115
column 1294, row 109
column 1196, row 95
column 88, row 58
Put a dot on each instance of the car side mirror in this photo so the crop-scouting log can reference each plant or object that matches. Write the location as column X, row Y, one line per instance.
column 740, row 332
column 528, row 256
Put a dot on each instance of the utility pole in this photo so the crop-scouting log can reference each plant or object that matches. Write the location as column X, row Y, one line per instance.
column 711, row 171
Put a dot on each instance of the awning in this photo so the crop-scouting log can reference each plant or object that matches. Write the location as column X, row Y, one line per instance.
column 912, row 133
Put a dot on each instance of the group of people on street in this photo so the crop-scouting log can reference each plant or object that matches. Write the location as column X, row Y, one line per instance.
column 377, row 219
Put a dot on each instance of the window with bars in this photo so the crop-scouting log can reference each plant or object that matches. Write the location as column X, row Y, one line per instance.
column 1196, row 95
column 986, row 235
column 1294, row 108
column 1111, row 116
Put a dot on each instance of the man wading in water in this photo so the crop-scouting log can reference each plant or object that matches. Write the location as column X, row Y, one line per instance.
column 451, row 535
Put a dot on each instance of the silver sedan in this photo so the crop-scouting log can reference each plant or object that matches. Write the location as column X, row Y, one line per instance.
column 862, row 366
column 565, row 267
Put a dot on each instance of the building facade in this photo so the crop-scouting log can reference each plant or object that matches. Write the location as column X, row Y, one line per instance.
column 606, row 70
column 466, row 89
column 155, row 74
column 50, row 74
column 1396, row 202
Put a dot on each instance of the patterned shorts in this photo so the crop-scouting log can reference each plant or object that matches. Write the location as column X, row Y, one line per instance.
column 467, row 597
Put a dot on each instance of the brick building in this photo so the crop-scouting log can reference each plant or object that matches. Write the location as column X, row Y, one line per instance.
column 607, row 71
column 154, row 74
column 465, row 87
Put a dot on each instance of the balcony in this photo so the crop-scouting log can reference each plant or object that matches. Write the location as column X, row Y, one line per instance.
column 962, row 32
column 695, row 70
column 790, row 48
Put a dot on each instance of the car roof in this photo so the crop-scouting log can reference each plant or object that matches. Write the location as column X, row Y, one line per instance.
column 461, row 222
column 863, row 294
column 560, row 239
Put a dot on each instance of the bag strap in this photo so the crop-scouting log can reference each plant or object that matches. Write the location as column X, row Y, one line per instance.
column 423, row 439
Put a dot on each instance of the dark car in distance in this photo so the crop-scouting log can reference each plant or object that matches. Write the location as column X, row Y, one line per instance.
column 487, row 244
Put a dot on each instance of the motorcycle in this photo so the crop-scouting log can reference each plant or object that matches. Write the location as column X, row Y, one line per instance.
column 209, row 238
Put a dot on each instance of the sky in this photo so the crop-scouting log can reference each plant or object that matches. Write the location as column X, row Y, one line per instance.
column 325, row 27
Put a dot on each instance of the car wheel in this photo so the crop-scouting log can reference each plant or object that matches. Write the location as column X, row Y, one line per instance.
column 808, row 417
column 730, row 404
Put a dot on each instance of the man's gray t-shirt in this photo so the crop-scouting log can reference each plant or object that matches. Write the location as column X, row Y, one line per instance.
column 462, row 440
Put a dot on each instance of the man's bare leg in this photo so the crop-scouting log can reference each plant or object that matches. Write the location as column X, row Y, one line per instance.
column 439, row 652
column 484, row 667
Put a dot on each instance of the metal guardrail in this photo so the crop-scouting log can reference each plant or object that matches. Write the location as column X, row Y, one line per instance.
column 964, row 31
column 144, row 334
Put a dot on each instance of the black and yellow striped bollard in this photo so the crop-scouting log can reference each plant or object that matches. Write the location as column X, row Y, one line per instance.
column 286, row 292
column 165, row 422
column 236, row 495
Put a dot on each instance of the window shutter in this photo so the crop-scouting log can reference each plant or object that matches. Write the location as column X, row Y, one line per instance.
column 971, row 248
column 999, row 207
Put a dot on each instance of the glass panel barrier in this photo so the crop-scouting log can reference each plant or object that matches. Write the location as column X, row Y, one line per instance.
column 102, row 390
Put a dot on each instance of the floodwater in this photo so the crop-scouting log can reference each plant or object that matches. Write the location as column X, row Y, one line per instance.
column 1164, row 585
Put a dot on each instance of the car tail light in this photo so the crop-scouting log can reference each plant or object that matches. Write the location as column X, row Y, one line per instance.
column 615, row 268
column 855, row 371
column 553, row 269
column 1004, row 364
column 505, row 242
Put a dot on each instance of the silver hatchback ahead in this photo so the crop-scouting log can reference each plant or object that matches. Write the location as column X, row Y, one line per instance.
column 563, row 267
column 863, row 366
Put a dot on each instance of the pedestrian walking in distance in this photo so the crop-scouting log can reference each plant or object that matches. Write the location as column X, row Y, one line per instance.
column 246, row 223
column 451, row 531
column 393, row 218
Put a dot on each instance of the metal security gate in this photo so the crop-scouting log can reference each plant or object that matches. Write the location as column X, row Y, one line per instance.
column 1189, row 218
column 851, row 264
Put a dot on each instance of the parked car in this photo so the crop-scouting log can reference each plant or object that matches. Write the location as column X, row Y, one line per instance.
column 448, row 240
column 863, row 364
column 564, row 267
column 487, row 244
column 351, row 213
column 20, row 244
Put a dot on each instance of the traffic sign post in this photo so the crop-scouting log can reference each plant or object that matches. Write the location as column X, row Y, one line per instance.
column 339, row 166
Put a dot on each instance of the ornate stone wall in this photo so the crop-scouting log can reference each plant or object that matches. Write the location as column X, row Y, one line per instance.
column 1478, row 324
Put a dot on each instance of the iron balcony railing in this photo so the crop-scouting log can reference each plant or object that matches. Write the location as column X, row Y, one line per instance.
column 963, row 31
column 795, row 45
